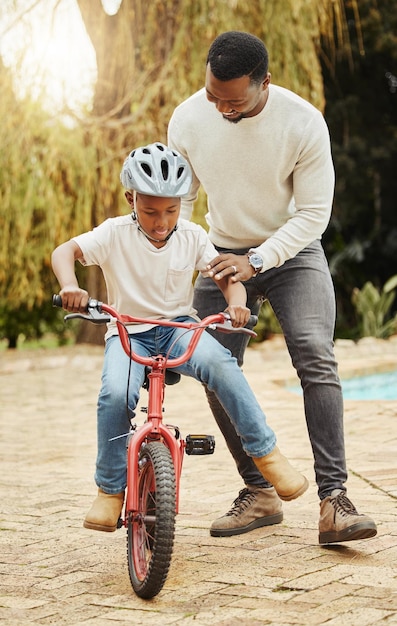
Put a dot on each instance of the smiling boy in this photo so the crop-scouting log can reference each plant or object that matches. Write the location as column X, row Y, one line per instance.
column 148, row 259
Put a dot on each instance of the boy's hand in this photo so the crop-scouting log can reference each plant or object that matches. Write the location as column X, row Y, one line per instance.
column 74, row 299
column 239, row 315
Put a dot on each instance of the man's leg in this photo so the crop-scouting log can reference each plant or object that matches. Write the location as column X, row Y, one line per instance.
column 258, row 503
column 302, row 296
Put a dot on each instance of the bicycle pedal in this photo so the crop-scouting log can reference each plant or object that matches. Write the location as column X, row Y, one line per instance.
column 200, row 444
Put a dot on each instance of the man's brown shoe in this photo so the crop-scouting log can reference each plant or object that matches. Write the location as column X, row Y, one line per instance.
column 340, row 521
column 253, row 508
column 105, row 512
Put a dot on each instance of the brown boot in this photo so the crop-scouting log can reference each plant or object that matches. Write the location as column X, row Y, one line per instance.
column 287, row 481
column 253, row 508
column 105, row 512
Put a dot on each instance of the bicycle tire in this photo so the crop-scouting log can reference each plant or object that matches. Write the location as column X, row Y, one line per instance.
column 150, row 532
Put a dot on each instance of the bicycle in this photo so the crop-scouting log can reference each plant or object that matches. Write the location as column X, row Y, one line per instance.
column 155, row 450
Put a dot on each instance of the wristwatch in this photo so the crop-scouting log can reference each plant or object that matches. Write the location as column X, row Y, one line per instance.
column 256, row 261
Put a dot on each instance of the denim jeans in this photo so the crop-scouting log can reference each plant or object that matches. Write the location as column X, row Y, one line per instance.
column 302, row 296
column 211, row 364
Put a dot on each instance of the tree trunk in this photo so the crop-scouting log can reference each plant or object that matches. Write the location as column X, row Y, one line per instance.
column 114, row 48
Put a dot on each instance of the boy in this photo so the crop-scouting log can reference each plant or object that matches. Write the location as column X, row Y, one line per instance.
column 148, row 259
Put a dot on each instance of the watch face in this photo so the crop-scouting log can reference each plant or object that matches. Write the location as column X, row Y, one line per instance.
column 256, row 261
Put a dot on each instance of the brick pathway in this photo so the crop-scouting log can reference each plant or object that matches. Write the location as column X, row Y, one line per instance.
column 53, row 571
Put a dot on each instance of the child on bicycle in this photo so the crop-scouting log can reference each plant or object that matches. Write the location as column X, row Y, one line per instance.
column 148, row 258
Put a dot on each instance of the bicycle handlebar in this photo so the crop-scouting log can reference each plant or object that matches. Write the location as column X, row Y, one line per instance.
column 94, row 311
column 96, row 315
column 101, row 313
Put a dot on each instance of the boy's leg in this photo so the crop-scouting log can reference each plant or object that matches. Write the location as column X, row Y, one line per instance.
column 213, row 365
column 257, row 504
column 113, row 420
column 208, row 299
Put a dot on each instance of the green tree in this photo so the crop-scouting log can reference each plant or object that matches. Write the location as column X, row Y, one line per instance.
column 46, row 182
column 361, row 111
column 57, row 181
column 158, row 52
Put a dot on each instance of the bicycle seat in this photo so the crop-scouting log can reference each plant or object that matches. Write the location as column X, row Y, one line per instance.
column 171, row 377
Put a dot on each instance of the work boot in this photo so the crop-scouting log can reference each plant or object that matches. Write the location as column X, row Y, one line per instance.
column 287, row 481
column 254, row 507
column 105, row 512
column 340, row 521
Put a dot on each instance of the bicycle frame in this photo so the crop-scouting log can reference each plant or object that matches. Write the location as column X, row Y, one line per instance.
column 154, row 427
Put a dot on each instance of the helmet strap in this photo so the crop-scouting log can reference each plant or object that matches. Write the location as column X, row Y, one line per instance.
column 135, row 219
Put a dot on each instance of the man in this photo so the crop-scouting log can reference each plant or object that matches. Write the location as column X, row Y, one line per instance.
column 263, row 157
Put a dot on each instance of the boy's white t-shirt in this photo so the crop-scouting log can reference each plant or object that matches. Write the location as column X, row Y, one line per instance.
column 142, row 280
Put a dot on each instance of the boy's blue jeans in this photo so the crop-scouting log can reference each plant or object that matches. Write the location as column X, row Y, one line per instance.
column 211, row 364
column 302, row 296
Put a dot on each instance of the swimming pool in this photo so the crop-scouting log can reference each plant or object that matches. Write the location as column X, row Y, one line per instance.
column 377, row 386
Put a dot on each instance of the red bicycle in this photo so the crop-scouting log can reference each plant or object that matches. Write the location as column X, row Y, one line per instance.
column 155, row 451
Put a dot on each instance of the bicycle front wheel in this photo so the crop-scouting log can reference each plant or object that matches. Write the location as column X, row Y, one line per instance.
column 150, row 531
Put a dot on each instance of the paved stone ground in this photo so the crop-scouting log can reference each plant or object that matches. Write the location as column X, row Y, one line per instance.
column 53, row 571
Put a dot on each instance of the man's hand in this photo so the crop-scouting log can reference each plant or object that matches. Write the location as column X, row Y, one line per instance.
column 239, row 315
column 74, row 299
column 234, row 265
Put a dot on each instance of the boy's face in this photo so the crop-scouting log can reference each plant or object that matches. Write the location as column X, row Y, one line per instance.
column 157, row 216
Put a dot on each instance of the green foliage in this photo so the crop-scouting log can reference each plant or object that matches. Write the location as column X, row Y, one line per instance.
column 178, row 60
column 57, row 181
column 33, row 323
column 373, row 308
column 47, row 177
column 361, row 110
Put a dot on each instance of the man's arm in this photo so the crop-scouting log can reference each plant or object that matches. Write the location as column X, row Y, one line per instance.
column 313, row 189
column 173, row 140
column 63, row 264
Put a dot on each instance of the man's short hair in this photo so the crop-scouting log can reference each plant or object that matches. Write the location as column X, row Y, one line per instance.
column 235, row 54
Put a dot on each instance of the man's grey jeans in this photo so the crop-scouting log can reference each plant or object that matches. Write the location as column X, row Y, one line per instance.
column 302, row 296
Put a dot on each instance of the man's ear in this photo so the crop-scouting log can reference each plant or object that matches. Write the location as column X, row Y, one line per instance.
column 130, row 198
column 266, row 81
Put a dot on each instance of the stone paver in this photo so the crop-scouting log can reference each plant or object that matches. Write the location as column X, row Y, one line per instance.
column 53, row 571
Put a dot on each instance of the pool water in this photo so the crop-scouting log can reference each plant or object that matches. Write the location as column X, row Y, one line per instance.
column 380, row 386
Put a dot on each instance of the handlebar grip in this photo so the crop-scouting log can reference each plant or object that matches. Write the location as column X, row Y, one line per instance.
column 253, row 320
column 57, row 301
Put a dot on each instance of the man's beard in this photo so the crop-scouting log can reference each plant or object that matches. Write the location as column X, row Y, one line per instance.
column 233, row 120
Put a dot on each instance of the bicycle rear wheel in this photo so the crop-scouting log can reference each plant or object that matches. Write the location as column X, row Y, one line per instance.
column 150, row 531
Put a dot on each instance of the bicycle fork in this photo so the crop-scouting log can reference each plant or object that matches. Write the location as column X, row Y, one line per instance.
column 146, row 434
column 153, row 430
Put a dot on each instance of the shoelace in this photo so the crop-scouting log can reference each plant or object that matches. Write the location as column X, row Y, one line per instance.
column 344, row 506
column 242, row 502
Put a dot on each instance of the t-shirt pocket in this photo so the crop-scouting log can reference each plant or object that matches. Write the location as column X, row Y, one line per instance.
column 178, row 285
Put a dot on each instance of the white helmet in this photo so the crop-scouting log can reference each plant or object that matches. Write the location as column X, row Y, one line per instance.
column 156, row 170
